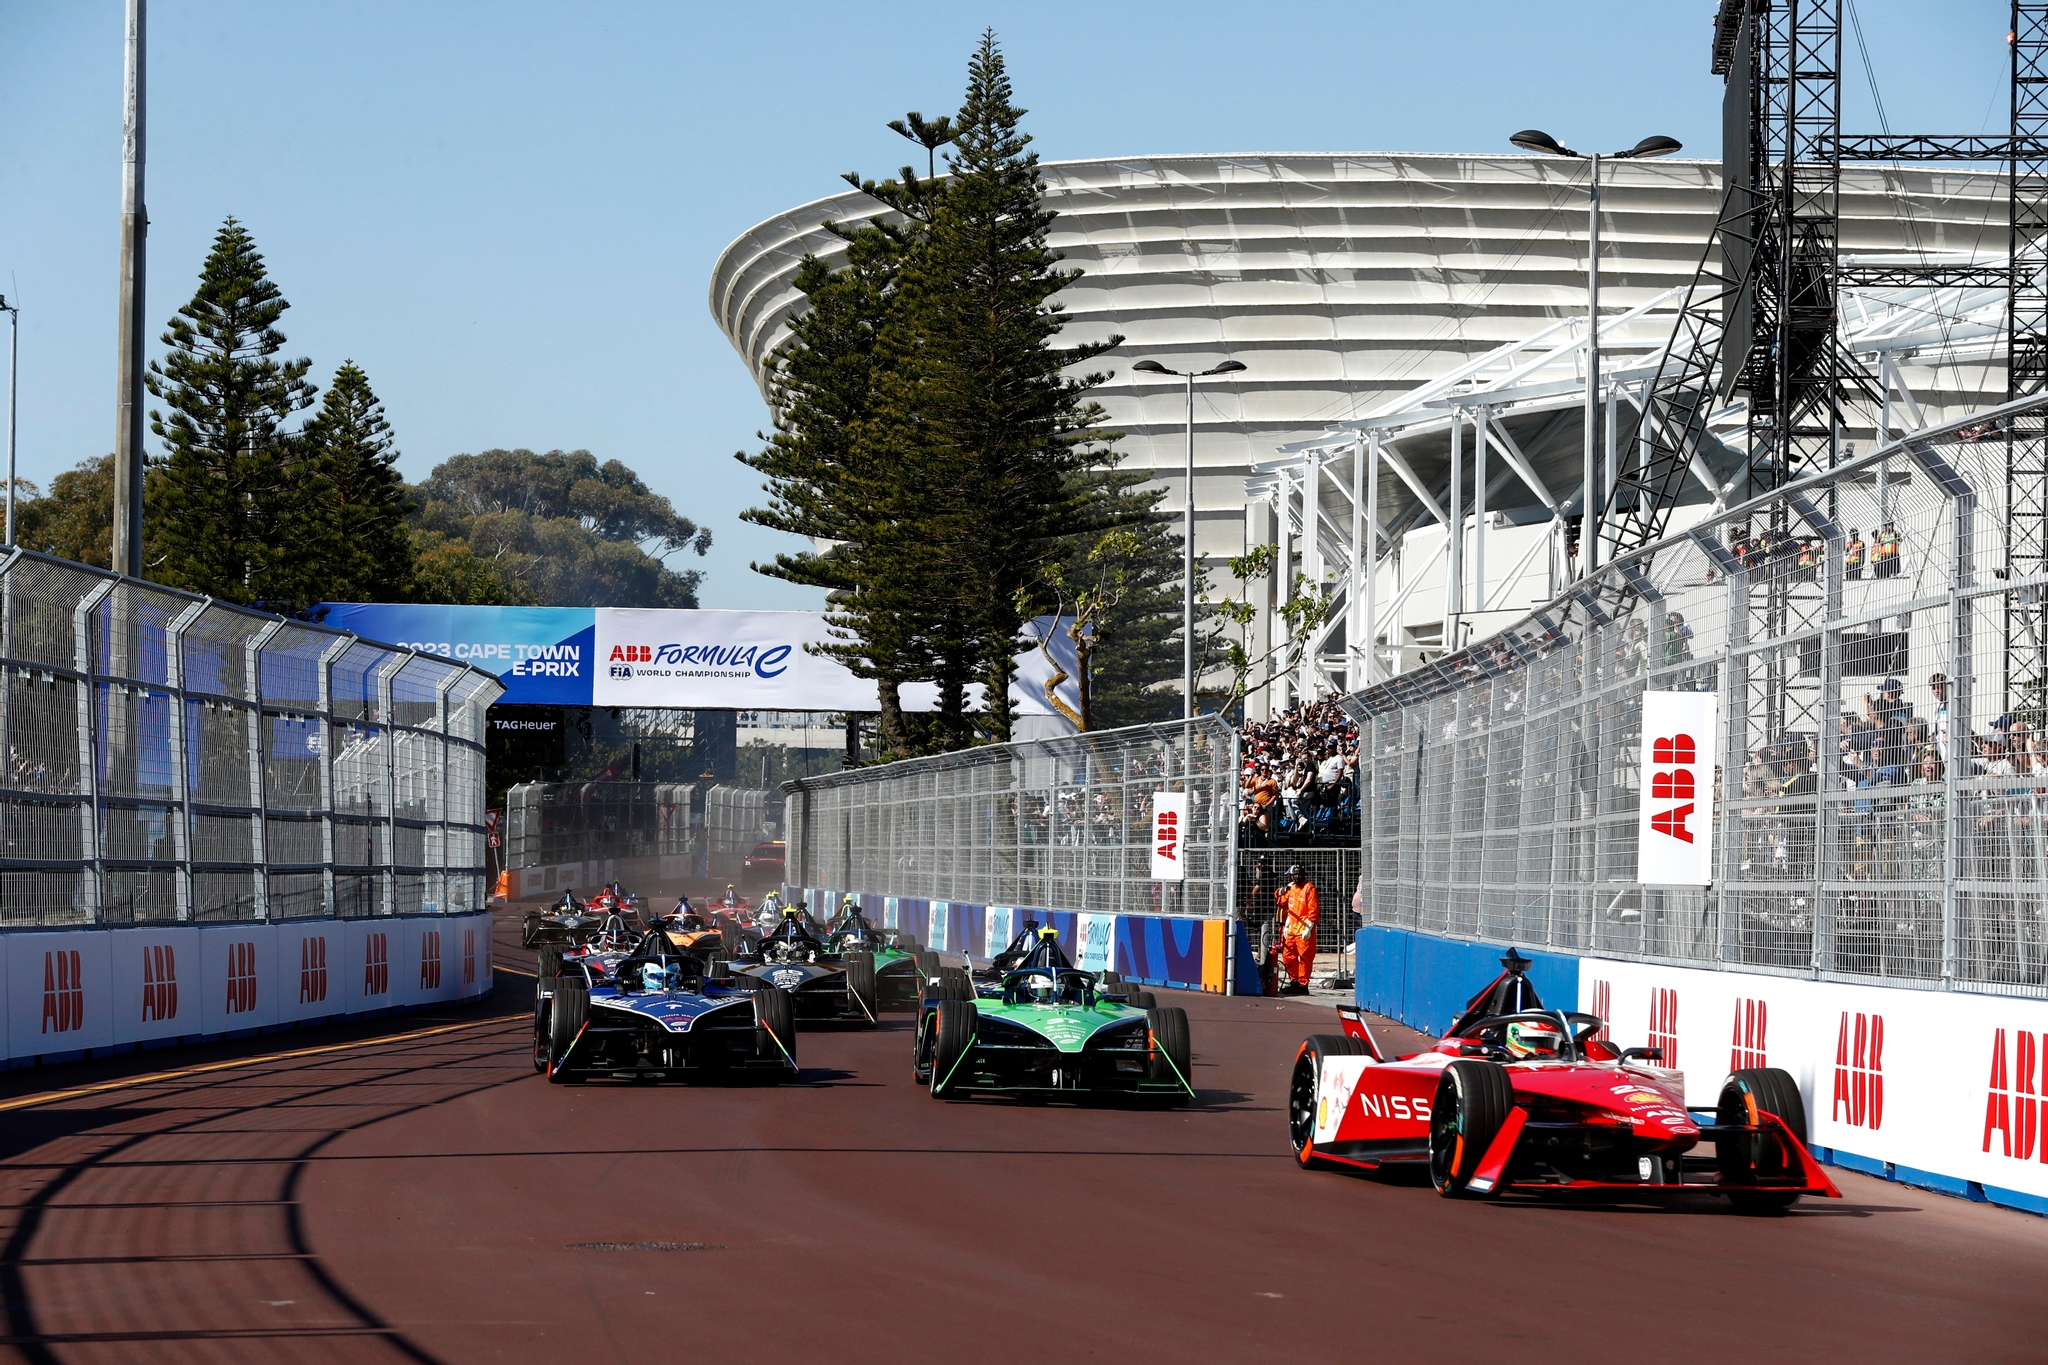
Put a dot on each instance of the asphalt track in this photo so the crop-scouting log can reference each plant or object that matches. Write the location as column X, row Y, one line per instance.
column 409, row 1190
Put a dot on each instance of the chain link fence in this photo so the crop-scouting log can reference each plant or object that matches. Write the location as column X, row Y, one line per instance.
column 1876, row 637
column 1334, row 874
column 1059, row 824
column 172, row 758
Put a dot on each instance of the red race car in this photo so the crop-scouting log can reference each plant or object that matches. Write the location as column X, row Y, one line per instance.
column 1516, row 1097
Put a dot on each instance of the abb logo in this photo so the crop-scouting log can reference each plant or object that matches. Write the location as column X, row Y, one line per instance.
column 241, row 978
column 469, row 957
column 1747, row 1050
column 376, row 965
column 312, row 970
column 159, row 982
column 1859, row 1072
column 2013, row 1108
column 430, row 959
column 1603, row 1006
column 63, row 991
column 632, row 654
column 1166, row 832
column 1664, row 1022
column 1677, row 753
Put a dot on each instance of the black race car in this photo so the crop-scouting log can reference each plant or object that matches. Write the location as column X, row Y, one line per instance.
column 826, row 987
column 656, row 1015
column 568, row 923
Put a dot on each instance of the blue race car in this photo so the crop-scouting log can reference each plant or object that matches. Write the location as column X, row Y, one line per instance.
column 656, row 1016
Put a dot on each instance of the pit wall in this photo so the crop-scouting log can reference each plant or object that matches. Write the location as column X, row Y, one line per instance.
column 80, row 993
column 1944, row 1090
column 1180, row 952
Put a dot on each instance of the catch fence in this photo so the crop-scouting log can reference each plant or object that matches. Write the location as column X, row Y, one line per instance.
column 1880, row 802
column 172, row 758
column 1056, row 824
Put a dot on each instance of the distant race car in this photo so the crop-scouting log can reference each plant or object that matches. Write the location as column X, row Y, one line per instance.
column 568, row 923
column 826, row 987
column 899, row 980
column 1517, row 1098
column 655, row 1015
column 1048, row 1029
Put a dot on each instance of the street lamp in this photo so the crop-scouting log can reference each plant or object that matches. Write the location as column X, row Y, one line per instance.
column 1531, row 140
column 13, row 312
column 1187, row 594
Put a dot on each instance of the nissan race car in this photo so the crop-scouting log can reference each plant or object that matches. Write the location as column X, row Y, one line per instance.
column 657, row 1016
column 1519, row 1098
column 825, row 987
column 1048, row 1029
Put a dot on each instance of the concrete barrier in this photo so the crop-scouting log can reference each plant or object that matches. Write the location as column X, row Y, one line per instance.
column 1945, row 1090
column 72, row 994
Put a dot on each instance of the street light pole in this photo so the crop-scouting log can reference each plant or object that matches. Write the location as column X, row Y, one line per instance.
column 13, row 312
column 1592, row 491
column 1187, row 591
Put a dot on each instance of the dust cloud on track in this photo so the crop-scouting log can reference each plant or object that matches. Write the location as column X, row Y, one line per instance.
column 412, row 1191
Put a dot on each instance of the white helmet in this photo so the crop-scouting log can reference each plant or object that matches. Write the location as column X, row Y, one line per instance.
column 659, row 976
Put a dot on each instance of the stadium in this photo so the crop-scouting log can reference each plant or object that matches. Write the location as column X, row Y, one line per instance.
column 1350, row 284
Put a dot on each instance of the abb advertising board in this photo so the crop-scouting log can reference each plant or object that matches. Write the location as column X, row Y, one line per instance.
column 1939, row 1081
column 69, row 990
column 1675, row 818
column 1169, row 835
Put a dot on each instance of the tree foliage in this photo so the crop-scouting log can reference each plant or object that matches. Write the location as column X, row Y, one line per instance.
column 562, row 530
column 230, row 468
column 353, row 544
column 933, row 439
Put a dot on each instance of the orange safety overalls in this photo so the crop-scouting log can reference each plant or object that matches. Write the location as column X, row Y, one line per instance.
column 1301, row 911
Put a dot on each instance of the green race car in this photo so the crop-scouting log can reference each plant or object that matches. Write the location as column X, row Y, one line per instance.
column 1049, row 1030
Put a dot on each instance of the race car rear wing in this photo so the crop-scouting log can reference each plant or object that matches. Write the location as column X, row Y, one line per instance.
column 1353, row 1019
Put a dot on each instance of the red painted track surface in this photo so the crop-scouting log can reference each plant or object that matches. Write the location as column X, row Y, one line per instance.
column 421, row 1196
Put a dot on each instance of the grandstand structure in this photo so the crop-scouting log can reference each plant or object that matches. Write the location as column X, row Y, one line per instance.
column 1350, row 283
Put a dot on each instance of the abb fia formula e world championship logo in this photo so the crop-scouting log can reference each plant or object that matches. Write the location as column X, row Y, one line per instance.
column 312, row 969
column 430, row 959
column 63, row 991
column 159, row 982
column 1748, row 1048
column 241, row 978
column 376, row 964
column 1664, row 1023
column 1858, row 1098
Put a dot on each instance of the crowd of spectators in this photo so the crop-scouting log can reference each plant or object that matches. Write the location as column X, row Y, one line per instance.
column 1300, row 777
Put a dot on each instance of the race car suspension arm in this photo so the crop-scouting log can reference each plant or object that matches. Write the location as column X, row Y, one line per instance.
column 1176, row 1072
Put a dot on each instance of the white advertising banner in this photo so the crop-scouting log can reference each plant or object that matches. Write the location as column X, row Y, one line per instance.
column 1938, row 1081
column 1095, row 942
column 1169, row 835
column 1675, row 819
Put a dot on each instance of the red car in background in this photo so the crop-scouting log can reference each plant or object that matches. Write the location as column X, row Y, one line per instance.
column 765, row 865
column 1518, row 1098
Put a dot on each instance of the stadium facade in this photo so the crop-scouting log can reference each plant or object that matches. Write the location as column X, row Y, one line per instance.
column 1344, row 282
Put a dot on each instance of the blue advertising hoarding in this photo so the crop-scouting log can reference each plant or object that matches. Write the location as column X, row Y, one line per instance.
column 541, row 654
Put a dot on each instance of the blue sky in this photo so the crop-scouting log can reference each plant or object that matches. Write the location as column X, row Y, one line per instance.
column 507, row 213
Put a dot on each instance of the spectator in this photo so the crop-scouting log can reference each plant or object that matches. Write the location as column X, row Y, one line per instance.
column 1852, row 555
column 1885, row 553
column 1938, row 684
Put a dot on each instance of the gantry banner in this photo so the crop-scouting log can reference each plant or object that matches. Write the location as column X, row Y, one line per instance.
column 1675, row 820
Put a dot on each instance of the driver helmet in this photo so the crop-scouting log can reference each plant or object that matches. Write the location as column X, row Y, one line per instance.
column 659, row 976
column 1042, row 987
column 1533, row 1039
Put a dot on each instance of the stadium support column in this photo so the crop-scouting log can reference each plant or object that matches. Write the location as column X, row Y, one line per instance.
column 1454, row 527
column 127, row 546
column 1481, row 416
column 1371, row 631
column 2026, row 664
column 1589, row 527
column 1360, row 570
column 1311, row 568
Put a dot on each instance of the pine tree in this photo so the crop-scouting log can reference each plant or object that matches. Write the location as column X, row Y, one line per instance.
column 980, row 393
column 225, row 503
column 353, row 544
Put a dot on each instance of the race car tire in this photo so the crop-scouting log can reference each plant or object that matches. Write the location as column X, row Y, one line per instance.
column 1142, row 1000
column 529, row 925
column 958, row 985
column 860, row 987
column 1109, row 978
column 729, row 935
column 927, row 964
column 1746, row 1160
column 543, row 1038
column 1472, row 1101
column 906, row 944
column 1172, row 1056
column 953, row 1037
column 775, row 1017
column 570, row 1008
column 1305, row 1089
column 550, row 966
